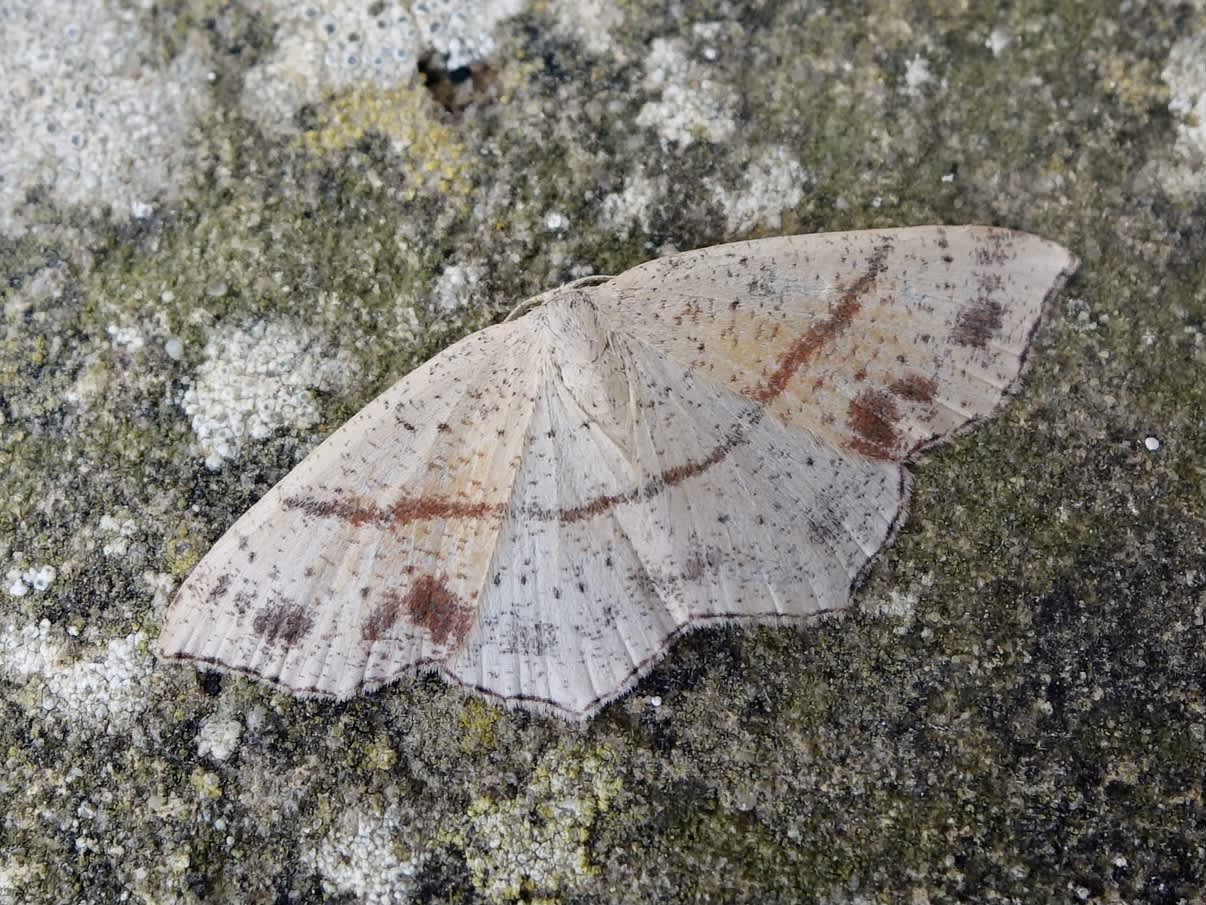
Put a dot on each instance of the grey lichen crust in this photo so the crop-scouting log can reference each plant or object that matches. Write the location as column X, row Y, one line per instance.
column 1012, row 712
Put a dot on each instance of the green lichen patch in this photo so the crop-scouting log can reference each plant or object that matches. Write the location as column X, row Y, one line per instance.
column 433, row 158
column 535, row 846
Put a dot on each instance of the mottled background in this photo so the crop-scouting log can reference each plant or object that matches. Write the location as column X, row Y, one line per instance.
column 224, row 226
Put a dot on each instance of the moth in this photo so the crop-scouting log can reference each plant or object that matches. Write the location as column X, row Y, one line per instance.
column 541, row 509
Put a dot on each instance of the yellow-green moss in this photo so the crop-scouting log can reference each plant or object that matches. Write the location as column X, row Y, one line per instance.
column 535, row 845
column 477, row 723
column 432, row 155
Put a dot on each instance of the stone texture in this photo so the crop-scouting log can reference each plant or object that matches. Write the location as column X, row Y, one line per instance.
column 1014, row 712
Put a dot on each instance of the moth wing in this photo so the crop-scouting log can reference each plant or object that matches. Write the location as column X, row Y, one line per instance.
column 368, row 558
column 877, row 342
column 559, row 626
column 651, row 501
column 713, row 436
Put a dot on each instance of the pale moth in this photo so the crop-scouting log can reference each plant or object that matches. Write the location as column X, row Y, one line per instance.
column 538, row 511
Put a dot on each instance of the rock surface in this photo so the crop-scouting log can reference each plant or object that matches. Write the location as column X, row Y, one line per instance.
column 195, row 197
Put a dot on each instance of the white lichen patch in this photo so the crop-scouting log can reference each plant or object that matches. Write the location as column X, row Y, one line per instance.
column 365, row 855
column 1185, row 73
column 898, row 606
column 161, row 585
column 917, row 75
column 772, row 183
column 998, row 41
column 27, row 650
column 324, row 48
column 88, row 110
column 590, row 22
column 127, row 338
column 218, row 737
column 535, row 845
column 692, row 102
column 257, row 379
column 19, row 582
column 460, row 30
column 633, row 206
column 105, row 691
column 116, row 535
column 456, row 287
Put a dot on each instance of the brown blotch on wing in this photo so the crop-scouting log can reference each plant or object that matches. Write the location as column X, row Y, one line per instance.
column 873, row 415
column 427, row 603
column 282, row 621
column 978, row 323
column 914, row 388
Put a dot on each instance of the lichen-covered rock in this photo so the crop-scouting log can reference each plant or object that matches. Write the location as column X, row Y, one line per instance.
column 1013, row 712
column 91, row 112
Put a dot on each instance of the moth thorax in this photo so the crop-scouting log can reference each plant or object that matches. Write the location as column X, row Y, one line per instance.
column 576, row 332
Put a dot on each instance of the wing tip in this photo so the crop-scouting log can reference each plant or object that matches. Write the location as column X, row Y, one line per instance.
column 1063, row 266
